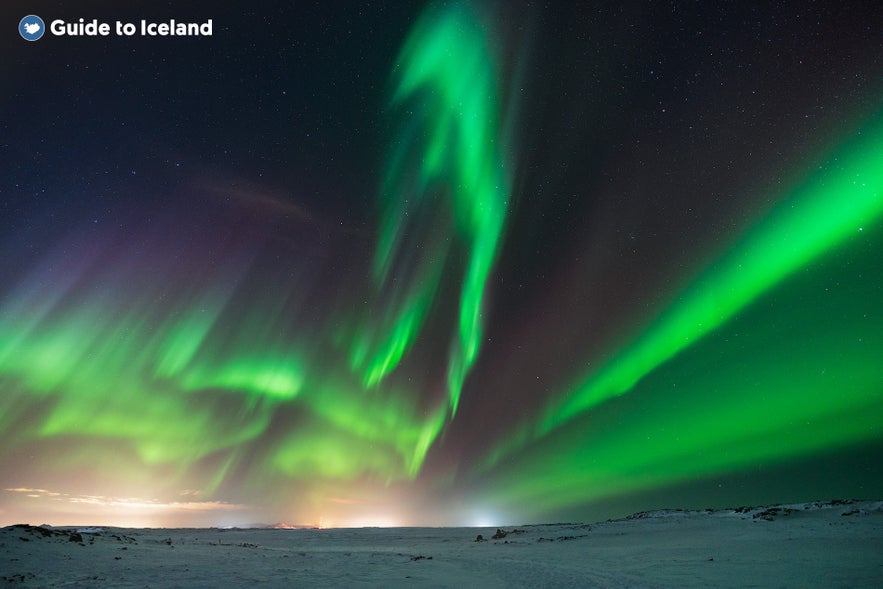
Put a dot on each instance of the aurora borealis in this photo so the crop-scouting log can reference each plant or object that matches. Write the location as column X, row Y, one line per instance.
column 441, row 263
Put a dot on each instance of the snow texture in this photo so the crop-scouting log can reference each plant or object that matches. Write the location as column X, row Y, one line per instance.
column 831, row 544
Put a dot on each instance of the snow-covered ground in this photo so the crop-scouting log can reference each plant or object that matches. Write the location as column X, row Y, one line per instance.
column 834, row 544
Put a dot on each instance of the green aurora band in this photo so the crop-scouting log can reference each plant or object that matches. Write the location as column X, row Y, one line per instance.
column 445, row 186
column 184, row 362
column 198, row 361
column 739, row 369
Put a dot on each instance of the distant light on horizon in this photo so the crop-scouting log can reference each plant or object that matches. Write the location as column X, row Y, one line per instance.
column 504, row 266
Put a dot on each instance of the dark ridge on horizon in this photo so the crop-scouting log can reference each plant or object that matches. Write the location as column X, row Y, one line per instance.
column 758, row 511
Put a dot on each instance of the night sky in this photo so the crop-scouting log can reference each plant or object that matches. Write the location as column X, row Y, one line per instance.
column 444, row 263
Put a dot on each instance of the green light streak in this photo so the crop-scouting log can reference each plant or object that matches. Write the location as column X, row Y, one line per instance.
column 178, row 387
column 795, row 377
column 833, row 205
column 390, row 417
column 197, row 362
column 448, row 149
column 184, row 340
column 390, row 346
column 278, row 378
column 765, row 400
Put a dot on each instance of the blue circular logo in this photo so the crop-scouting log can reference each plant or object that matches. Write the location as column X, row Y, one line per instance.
column 31, row 27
